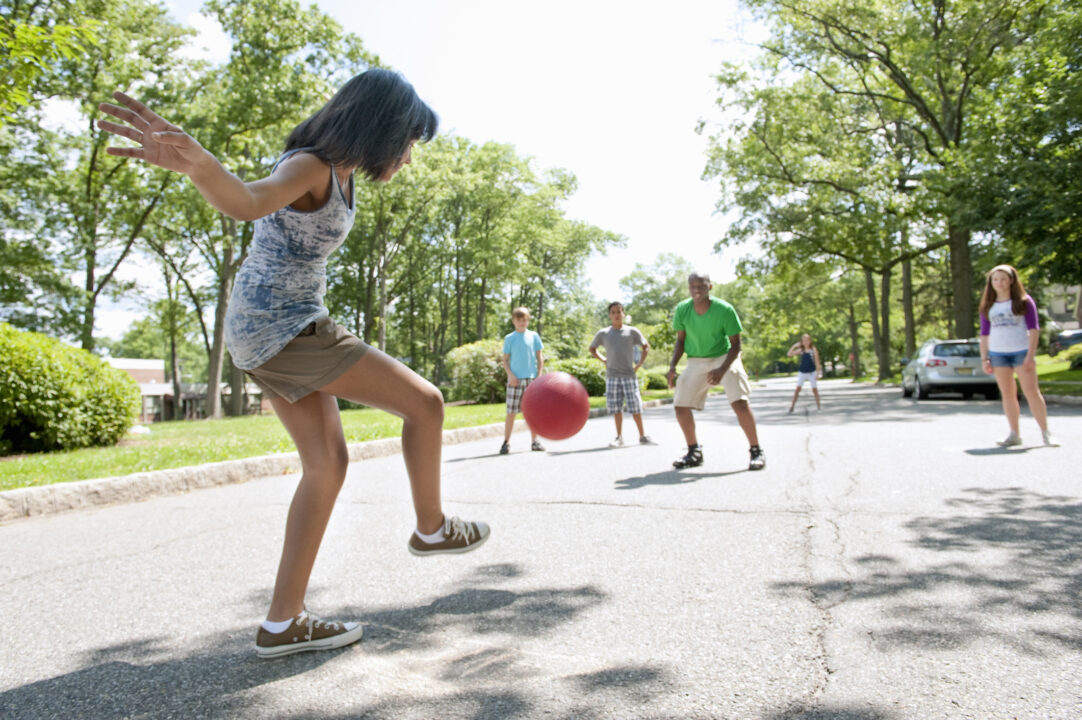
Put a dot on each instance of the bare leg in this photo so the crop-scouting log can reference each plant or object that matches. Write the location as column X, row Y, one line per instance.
column 619, row 418
column 637, row 417
column 815, row 392
column 796, row 393
column 508, row 426
column 1031, row 389
column 1009, row 393
column 687, row 424
column 380, row 381
column 746, row 420
column 314, row 424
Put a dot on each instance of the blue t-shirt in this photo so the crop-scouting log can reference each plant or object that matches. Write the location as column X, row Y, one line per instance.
column 523, row 348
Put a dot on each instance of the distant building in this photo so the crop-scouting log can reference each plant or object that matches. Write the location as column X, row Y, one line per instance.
column 157, row 393
column 158, row 397
column 1063, row 305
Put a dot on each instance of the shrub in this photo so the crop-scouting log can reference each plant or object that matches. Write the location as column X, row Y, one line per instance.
column 656, row 381
column 589, row 372
column 477, row 372
column 1074, row 357
column 56, row 397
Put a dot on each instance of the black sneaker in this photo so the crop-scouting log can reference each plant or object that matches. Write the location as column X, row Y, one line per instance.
column 504, row 449
column 758, row 459
column 536, row 446
column 694, row 458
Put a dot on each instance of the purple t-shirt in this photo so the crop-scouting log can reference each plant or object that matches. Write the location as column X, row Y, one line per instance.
column 1007, row 332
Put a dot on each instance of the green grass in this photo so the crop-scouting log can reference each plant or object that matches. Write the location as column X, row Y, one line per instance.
column 195, row 442
column 1057, row 378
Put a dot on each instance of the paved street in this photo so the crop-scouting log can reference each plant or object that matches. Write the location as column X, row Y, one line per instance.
column 890, row 562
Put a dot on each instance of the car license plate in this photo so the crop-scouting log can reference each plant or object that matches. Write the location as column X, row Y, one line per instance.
column 963, row 371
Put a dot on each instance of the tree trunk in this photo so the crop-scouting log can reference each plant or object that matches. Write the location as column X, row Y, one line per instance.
column 907, row 309
column 236, row 391
column 961, row 279
column 217, row 348
column 174, row 370
column 873, row 310
column 540, row 311
column 854, row 342
column 481, row 310
column 383, row 311
column 884, row 329
column 86, row 335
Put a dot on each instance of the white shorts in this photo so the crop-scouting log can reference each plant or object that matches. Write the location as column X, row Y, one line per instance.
column 801, row 377
column 692, row 387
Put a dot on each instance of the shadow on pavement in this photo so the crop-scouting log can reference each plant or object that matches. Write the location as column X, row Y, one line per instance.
column 1022, row 591
column 833, row 713
column 134, row 679
column 670, row 477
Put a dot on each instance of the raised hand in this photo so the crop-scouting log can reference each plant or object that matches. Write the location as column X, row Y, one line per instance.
column 160, row 142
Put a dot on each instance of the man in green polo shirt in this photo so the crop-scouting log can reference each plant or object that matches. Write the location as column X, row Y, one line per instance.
column 708, row 329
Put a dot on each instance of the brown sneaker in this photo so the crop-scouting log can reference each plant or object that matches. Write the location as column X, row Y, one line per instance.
column 459, row 537
column 306, row 633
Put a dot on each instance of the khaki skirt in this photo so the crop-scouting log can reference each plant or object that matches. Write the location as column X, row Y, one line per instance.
column 318, row 356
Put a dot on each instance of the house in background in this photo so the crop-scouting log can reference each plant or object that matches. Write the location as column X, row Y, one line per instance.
column 1063, row 305
column 157, row 391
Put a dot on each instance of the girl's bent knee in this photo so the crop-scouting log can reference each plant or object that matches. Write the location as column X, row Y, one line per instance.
column 430, row 405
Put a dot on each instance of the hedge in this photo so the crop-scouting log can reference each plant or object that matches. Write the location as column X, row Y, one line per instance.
column 56, row 397
column 589, row 372
column 477, row 372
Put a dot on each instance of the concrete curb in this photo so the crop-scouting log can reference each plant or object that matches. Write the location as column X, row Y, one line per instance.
column 83, row 494
column 1064, row 400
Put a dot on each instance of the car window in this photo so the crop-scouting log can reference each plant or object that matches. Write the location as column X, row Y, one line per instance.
column 957, row 350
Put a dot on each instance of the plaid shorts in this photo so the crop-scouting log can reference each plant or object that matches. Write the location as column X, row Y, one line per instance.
column 621, row 391
column 514, row 395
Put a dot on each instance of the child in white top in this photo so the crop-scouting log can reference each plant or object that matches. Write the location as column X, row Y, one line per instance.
column 1009, row 335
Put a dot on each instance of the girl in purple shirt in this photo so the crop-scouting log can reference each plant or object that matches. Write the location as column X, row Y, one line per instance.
column 1009, row 335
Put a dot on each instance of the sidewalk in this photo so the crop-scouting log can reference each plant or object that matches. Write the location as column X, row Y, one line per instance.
column 63, row 497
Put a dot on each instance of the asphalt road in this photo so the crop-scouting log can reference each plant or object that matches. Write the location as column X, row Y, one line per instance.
column 890, row 562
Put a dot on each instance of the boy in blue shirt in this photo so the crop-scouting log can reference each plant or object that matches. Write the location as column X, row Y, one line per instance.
column 522, row 362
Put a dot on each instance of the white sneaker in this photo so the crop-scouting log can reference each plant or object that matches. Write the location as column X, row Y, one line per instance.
column 618, row 442
column 1048, row 439
column 1010, row 441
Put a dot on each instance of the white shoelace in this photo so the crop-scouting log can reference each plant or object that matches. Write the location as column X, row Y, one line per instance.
column 456, row 528
column 312, row 623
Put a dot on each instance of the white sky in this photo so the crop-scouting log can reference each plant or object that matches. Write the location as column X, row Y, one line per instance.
column 609, row 90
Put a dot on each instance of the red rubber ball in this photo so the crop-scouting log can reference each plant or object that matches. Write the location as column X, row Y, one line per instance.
column 556, row 405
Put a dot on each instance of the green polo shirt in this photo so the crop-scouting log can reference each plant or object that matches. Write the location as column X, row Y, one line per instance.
column 707, row 334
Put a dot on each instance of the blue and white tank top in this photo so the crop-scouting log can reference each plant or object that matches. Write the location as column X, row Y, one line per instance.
column 807, row 361
column 280, row 286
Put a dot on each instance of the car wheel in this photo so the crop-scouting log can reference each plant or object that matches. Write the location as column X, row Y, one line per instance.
column 906, row 392
column 920, row 391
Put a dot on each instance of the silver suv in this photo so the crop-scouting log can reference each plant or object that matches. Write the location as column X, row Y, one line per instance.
column 948, row 366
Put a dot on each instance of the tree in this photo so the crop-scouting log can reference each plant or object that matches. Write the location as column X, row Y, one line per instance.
column 33, row 38
column 817, row 175
column 921, row 64
column 1026, row 172
column 652, row 291
column 284, row 62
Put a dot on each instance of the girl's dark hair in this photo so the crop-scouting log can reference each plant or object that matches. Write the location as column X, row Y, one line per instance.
column 614, row 303
column 1018, row 292
column 368, row 124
